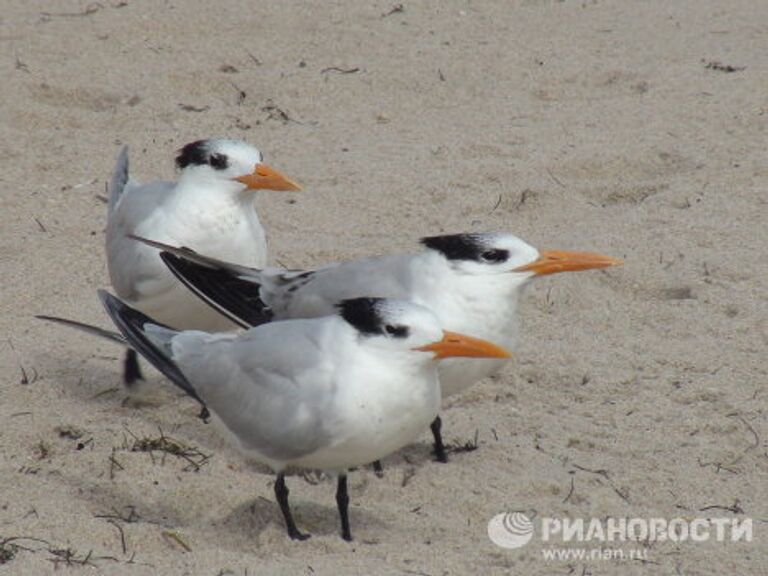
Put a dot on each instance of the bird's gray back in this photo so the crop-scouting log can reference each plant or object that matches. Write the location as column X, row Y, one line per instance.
column 270, row 386
column 316, row 293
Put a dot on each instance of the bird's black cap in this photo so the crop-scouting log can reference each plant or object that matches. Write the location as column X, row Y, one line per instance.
column 466, row 247
column 198, row 153
column 363, row 313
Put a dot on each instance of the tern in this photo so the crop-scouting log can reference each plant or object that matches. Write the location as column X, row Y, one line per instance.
column 328, row 393
column 210, row 208
column 472, row 282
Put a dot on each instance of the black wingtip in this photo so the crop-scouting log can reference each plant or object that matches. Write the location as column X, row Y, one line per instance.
column 237, row 299
column 116, row 308
column 131, row 324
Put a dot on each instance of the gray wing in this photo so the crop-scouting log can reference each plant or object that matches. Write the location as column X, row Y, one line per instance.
column 270, row 386
column 249, row 296
column 315, row 294
column 135, row 269
column 119, row 180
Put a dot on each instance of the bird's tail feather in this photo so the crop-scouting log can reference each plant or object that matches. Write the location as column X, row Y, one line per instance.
column 149, row 338
column 119, row 179
column 94, row 330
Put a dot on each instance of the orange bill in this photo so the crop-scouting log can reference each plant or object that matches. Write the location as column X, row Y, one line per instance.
column 266, row 178
column 454, row 344
column 553, row 261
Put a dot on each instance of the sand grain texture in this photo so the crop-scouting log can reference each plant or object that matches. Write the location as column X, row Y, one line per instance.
column 587, row 125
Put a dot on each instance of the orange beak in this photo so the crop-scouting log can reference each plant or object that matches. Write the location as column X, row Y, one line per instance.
column 266, row 178
column 454, row 344
column 553, row 261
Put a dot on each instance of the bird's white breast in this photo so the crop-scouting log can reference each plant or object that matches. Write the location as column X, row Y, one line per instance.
column 376, row 411
column 216, row 225
column 484, row 307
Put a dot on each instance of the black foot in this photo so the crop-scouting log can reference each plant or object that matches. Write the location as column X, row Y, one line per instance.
column 342, row 501
column 377, row 469
column 439, row 447
column 296, row 535
column 204, row 414
column 131, row 369
column 281, row 494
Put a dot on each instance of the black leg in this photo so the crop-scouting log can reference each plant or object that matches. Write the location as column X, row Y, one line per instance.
column 281, row 494
column 131, row 369
column 377, row 469
column 439, row 450
column 342, row 501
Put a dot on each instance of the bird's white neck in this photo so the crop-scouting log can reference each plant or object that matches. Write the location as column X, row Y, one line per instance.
column 484, row 305
column 210, row 188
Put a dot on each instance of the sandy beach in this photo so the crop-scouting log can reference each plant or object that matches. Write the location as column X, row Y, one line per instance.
column 635, row 129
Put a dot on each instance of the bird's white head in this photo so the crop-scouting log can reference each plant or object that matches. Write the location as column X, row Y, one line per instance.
column 232, row 161
column 403, row 327
column 491, row 253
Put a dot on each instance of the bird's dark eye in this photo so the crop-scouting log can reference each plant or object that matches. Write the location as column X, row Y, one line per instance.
column 396, row 331
column 495, row 256
column 218, row 161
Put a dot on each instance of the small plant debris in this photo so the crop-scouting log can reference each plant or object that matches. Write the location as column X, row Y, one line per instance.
column 84, row 444
column 114, row 465
column 70, row 432
column 339, row 70
column 167, row 445
column 734, row 508
column 175, row 540
column 128, row 515
column 70, row 557
column 191, row 108
column 25, row 378
column 7, row 552
column 408, row 473
column 121, row 533
column 719, row 67
column 11, row 546
column 396, row 9
column 92, row 8
column 466, row 446
column 623, row 494
column 241, row 94
column 43, row 450
column 21, row 65
column 274, row 112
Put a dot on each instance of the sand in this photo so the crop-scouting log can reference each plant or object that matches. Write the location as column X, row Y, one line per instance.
column 636, row 129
